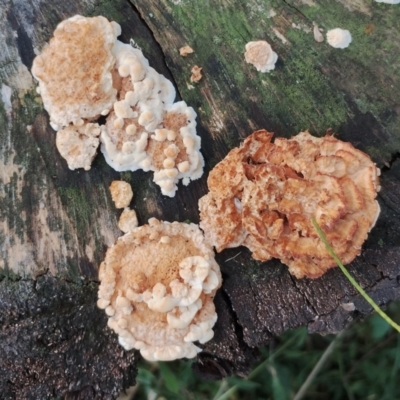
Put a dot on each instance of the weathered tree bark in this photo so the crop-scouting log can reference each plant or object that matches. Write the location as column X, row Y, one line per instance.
column 55, row 224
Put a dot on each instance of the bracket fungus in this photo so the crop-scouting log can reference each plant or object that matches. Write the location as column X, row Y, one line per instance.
column 263, row 195
column 85, row 73
column 339, row 38
column 157, row 287
column 261, row 55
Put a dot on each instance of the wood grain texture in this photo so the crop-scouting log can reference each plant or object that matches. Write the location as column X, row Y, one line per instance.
column 55, row 224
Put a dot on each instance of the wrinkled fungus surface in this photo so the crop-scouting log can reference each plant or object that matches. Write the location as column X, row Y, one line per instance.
column 85, row 73
column 157, row 287
column 263, row 195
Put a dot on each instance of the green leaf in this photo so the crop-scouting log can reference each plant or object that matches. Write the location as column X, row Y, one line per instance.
column 278, row 390
column 145, row 377
column 379, row 327
column 243, row 384
column 227, row 394
column 170, row 379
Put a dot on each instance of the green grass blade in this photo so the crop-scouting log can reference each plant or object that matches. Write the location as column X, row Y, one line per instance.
column 351, row 279
column 227, row 394
column 318, row 366
column 170, row 379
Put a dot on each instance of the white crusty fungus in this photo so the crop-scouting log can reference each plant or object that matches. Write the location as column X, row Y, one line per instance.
column 185, row 50
column 121, row 193
column 78, row 144
column 128, row 220
column 261, row 55
column 85, row 73
column 74, row 70
column 263, row 195
column 196, row 74
column 157, row 287
column 146, row 126
column 339, row 38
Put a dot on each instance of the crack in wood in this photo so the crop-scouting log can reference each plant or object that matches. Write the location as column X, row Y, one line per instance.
column 296, row 9
column 143, row 20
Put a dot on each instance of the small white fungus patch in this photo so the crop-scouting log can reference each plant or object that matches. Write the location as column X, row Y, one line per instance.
column 339, row 38
column 261, row 55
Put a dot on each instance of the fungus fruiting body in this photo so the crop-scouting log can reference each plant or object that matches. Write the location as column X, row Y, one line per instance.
column 185, row 51
column 121, row 193
column 157, row 287
column 128, row 220
column 261, row 55
column 78, row 144
column 263, row 195
column 85, row 73
column 74, row 70
column 339, row 38
column 196, row 74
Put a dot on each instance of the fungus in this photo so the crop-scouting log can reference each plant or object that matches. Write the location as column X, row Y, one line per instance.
column 147, row 127
column 157, row 288
column 74, row 70
column 196, row 74
column 339, row 38
column 85, row 73
column 263, row 196
column 121, row 193
column 128, row 220
column 261, row 55
column 78, row 144
column 185, row 50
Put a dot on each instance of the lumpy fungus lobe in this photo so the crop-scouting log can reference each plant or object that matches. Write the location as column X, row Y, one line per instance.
column 157, row 288
column 263, row 195
column 85, row 73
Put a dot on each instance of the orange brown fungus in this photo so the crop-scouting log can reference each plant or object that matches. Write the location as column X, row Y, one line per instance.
column 263, row 195
column 196, row 74
column 159, row 151
column 174, row 121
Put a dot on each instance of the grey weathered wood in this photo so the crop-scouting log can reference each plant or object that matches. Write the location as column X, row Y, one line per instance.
column 55, row 223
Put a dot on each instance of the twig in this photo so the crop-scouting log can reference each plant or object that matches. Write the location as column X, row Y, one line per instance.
column 229, row 259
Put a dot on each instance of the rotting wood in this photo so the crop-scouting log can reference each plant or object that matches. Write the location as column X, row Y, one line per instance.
column 57, row 222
